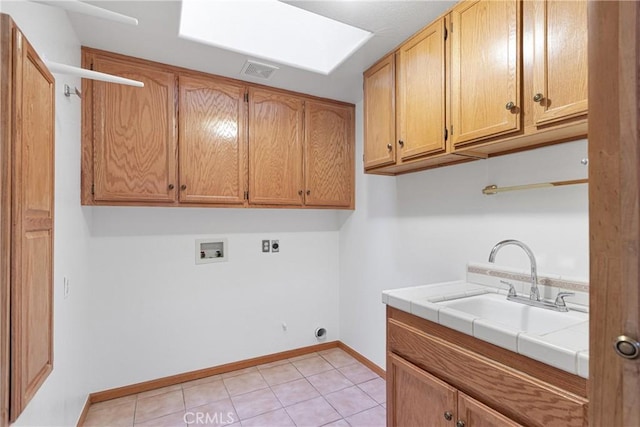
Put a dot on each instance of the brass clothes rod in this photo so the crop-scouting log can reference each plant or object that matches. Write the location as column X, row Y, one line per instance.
column 494, row 189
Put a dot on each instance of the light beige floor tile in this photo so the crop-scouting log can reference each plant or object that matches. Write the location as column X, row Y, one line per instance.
column 338, row 357
column 220, row 413
column 172, row 420
column 376, row 388
column 245, row 383
column 358, row 373
column 312, row 413
column 312, row 365
column 330, row 381
column 350, row 401
column 272, row 364
column 255, row 403
column 295, row 391
column 158, row 391
column 199, row 381
column 280, row 374
column 157, row 406
column 278, row 418
column 303, row 356
column 374, row 417
column 239, row 372
column 339, row 423
column 204, row 393
column 113, row 416
column 113, row 402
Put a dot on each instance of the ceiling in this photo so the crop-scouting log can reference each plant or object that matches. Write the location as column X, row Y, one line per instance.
column 156, row 38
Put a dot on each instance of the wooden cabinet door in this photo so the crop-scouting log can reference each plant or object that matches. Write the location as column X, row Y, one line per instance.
column 212, row 141
column 415, row 398
column 275, row 148
column 380, row 114
column 134, row 135
column 32, row 234
column 421, row 93
column 485, row 69
column 328, row 154
column 560, row 60
column 476, row 414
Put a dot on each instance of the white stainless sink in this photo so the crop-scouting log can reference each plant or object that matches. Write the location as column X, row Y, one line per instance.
column 498, row 309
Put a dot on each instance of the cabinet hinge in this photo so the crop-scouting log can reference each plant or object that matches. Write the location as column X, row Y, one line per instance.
column 446, row 134
column 246, row 195
column 446, row 33
column 93, row 189
column 452, row 28
column 246, row 97
column 451, row 130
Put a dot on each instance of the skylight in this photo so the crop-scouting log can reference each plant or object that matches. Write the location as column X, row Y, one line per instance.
column 272, row 30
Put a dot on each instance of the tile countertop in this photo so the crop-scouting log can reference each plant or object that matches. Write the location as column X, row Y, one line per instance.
column 566, row 349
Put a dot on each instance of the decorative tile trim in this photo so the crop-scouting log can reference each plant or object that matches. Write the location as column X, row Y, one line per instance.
column 571, row 285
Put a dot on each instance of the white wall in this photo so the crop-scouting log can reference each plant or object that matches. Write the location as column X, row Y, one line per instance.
column 63, row 394
column 423, row 227
column 156, row 313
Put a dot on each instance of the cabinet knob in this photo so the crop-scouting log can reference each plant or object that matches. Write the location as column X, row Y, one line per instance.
column 460, row 423
column 538, row 97
column 510, row 105
column 308, row 192
column 627, row 347
column 448, row 416
column 171, row 187
column 401, row 142
column 183, row 187
column 300, row 192
column 389, row 147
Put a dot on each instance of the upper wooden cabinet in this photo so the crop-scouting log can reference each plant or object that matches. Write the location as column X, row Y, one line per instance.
column 485, row 69
column 512, row 76
column 212, row 142
column 560, row 60
column 421, row 93
column 328, row 153
column 380, row 113
column 134, row 134
column 192, row 139
column 275, row 148
column 27, row 221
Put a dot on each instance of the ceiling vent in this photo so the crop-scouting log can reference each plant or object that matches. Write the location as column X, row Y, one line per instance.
column 258, row 70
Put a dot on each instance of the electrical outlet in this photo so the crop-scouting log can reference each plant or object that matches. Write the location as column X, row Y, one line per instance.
column 265, row 246
column 275, row 246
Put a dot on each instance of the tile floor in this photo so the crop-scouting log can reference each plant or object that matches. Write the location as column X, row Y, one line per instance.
column 328, row 388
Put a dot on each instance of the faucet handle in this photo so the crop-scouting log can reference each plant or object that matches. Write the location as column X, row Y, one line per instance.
column 512, row 289
column 560, row 302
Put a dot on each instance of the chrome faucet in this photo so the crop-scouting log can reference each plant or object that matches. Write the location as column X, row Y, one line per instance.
column 534, row 293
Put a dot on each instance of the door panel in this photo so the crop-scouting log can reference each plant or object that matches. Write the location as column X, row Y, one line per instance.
column 380, row 114
column 328, row 154
column 560, row 60
column 275, row 148
column 485, row 69
column 421, row 96
column 212, row 141
column 134, row 135
column 476, row 414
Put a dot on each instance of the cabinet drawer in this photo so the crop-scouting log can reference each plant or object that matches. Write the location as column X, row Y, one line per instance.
column 515, row 394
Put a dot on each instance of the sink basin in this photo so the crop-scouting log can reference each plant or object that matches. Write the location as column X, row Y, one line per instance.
column 498, row 309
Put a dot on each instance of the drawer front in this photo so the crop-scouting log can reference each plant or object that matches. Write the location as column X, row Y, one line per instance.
column 515, row 394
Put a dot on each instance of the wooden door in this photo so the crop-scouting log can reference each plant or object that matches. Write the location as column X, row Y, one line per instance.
column 212, row 141
column 421, row 93
column 275, row 148
column 560, row 60
column 485, row 70
column 32, row 218
column 415, row 398
column 380, row 114
column 614, row 213
column 475, row 414
column 328, row 154
column 134, row 134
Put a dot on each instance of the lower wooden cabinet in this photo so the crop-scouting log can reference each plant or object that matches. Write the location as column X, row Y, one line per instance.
column 417, row 398
column 440, row 377
column 27, row 135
